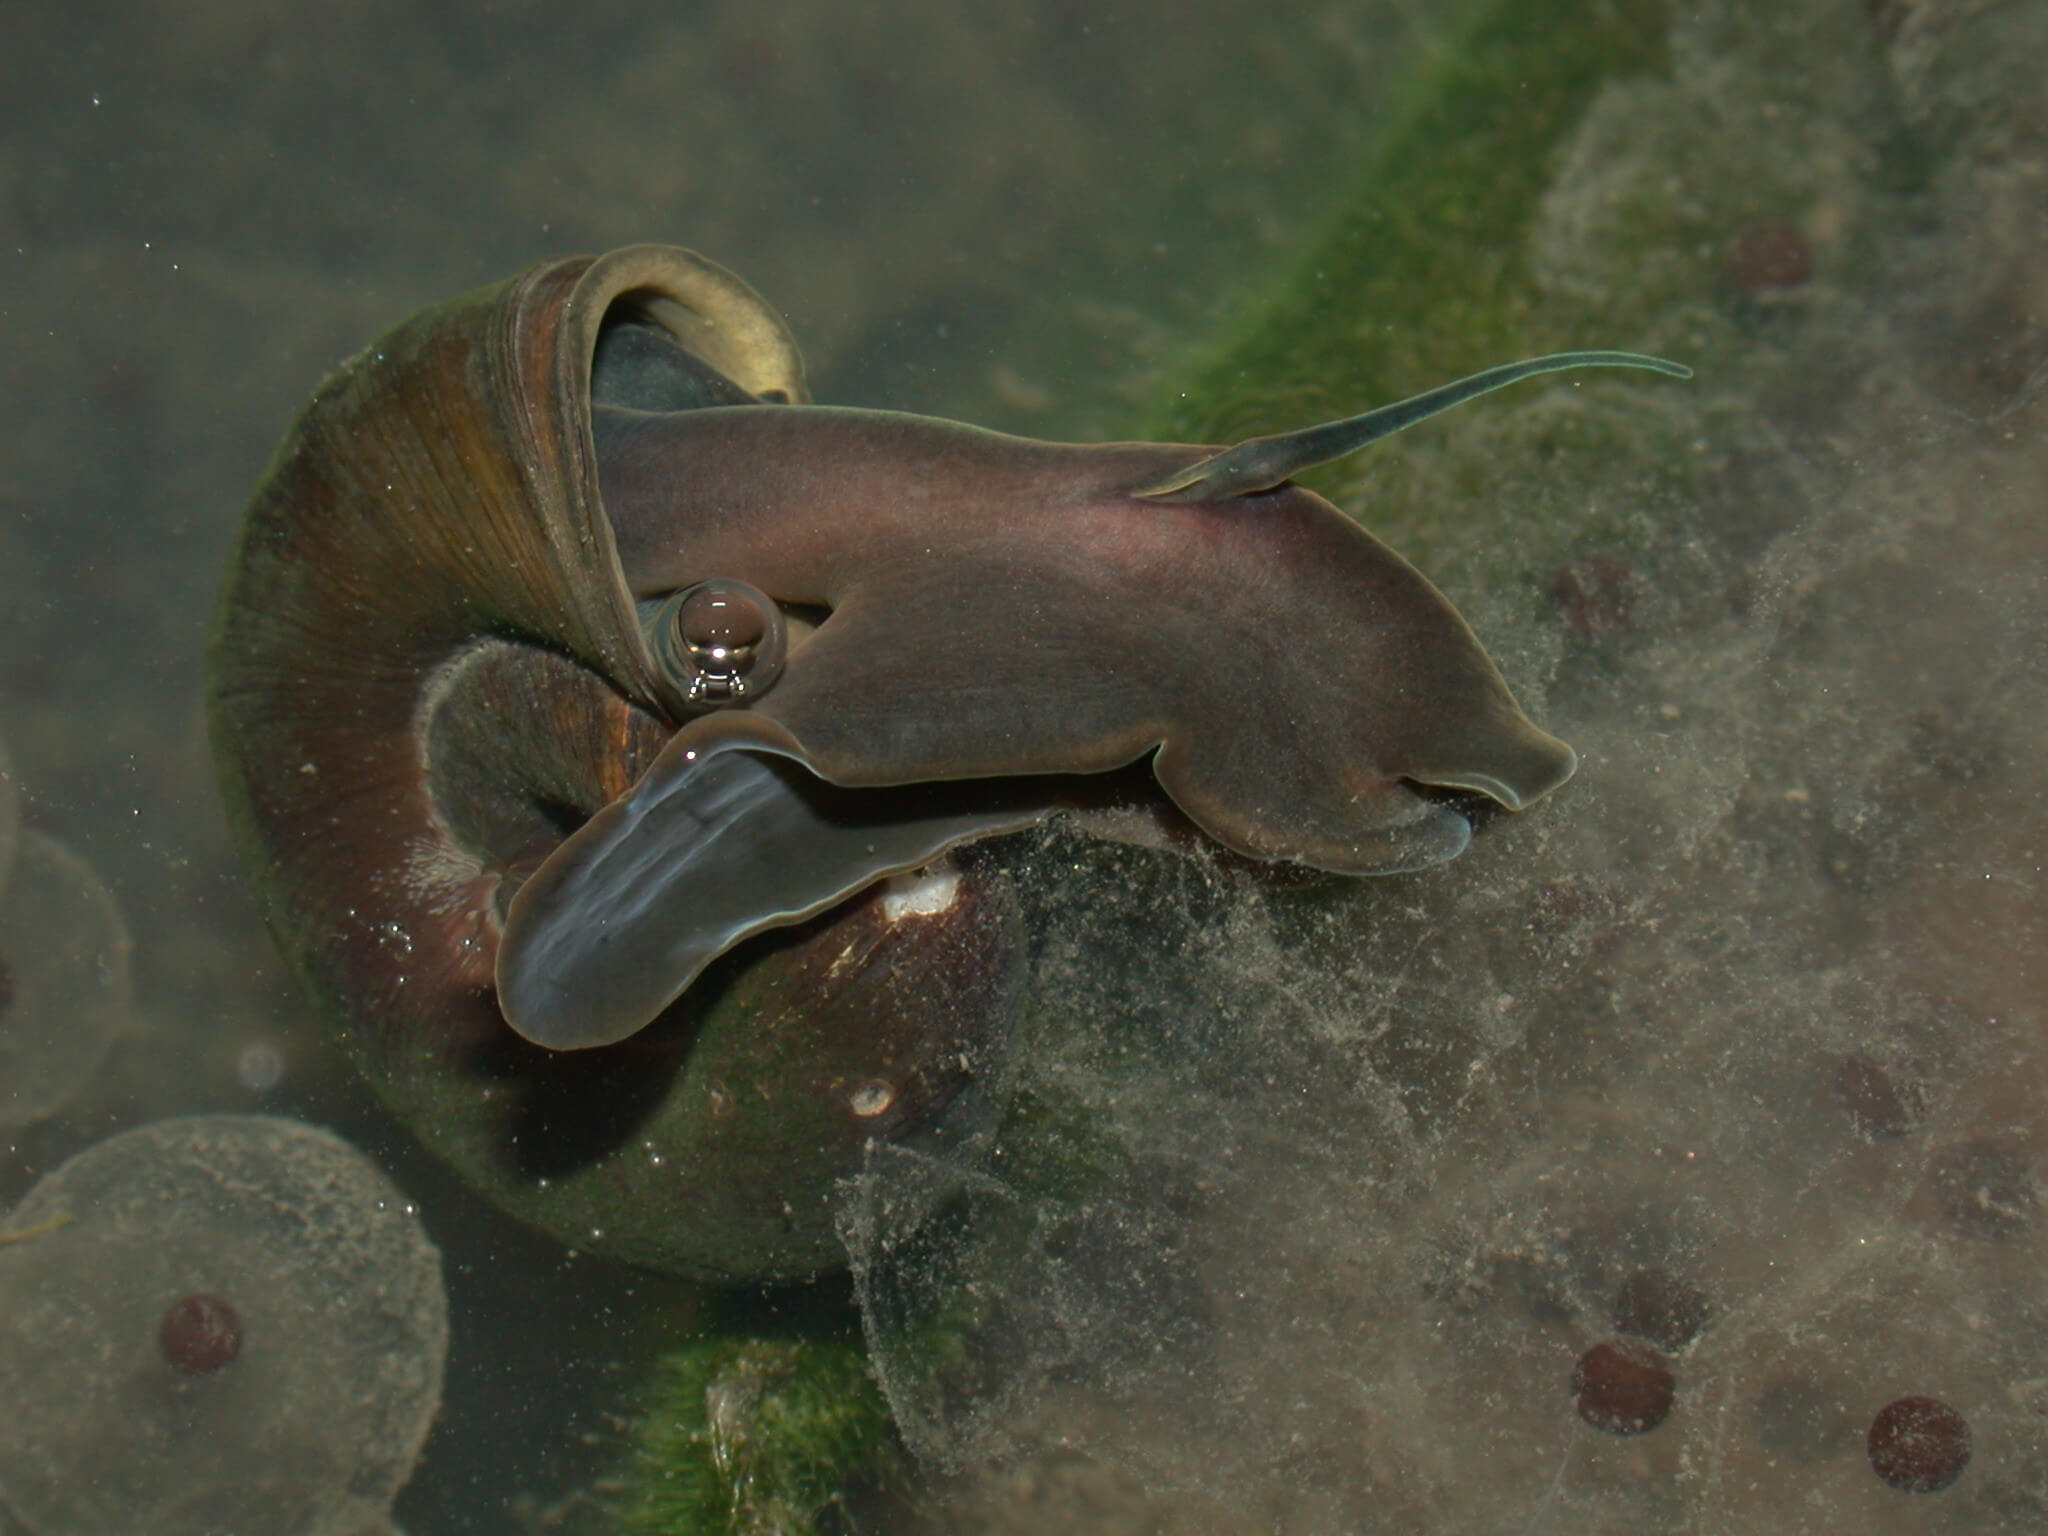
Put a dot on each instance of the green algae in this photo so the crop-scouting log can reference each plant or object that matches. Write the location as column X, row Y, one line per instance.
column 772, row 1423
column 1420, row 276
column 1428, row 271
column 756, row 1434
column 1569, row 177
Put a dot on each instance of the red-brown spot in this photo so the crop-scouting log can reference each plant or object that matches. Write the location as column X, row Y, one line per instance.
column 1623, row 1387
column 200, row 1334
column 1919, row 1444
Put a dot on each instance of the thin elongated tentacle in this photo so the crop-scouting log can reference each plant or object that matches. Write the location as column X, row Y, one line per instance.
column 1260, row 463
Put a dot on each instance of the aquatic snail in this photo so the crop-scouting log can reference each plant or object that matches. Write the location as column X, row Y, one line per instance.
column 586, row 697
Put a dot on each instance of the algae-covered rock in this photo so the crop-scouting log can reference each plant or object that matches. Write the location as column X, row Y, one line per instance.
column 1584, row 177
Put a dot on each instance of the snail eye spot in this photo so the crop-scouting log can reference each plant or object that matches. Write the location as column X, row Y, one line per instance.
column 721, row 641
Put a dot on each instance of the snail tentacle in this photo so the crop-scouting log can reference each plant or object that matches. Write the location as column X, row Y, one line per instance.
column 1261, row 463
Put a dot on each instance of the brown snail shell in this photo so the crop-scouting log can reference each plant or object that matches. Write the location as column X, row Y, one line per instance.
column 428, row 667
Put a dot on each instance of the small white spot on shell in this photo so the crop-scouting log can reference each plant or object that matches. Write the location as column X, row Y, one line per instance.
column 922, row 893
column 871, row 1098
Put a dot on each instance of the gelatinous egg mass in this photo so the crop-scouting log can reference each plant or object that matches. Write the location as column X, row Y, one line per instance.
column 221, row 1323
column 64, row 992
column 1623, row 1387
column 1919, row 1444
column 200, row 1334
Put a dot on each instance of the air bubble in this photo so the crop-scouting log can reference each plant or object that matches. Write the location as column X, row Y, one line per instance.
column 260, row 1066
column 721, row 642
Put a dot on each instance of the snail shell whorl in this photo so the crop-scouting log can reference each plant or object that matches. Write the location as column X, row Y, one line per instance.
column 427, row 668
column 439, row 491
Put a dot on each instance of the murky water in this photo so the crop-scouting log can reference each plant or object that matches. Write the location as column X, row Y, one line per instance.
column 1319, row 1208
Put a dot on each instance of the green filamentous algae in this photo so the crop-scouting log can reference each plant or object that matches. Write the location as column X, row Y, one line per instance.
column 756, row 1437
